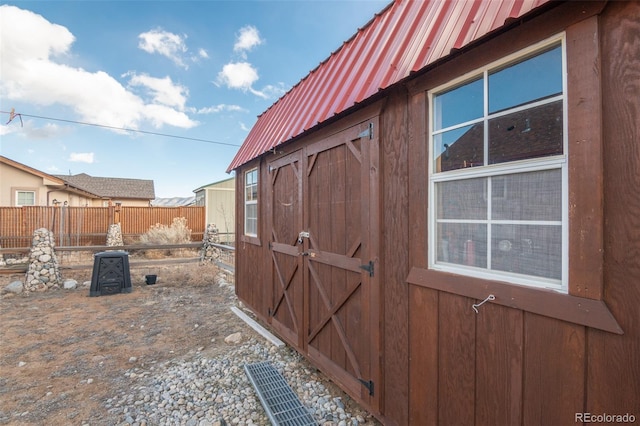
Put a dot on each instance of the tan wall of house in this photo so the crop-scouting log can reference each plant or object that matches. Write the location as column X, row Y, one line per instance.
column 72, row 200
column 13, row 180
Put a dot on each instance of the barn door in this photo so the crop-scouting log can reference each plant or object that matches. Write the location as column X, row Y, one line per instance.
column 323, row 247
column 287, row 270
column 339, row 258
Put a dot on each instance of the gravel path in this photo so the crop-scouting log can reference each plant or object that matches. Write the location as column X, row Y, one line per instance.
column 216, row 392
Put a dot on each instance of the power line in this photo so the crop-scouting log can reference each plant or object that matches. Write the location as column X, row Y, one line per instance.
column 104, row 126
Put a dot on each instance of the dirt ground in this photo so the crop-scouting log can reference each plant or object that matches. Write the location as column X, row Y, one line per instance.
column 64, row 353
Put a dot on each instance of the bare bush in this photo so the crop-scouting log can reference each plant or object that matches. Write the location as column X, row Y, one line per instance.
column 176, row 233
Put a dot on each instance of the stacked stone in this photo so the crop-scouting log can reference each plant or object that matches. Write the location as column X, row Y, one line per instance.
column 114, row 236
column 12, row 261
column 43, row 272
column 209, row 252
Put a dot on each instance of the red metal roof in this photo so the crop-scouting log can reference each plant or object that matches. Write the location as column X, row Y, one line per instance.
column 405, row 37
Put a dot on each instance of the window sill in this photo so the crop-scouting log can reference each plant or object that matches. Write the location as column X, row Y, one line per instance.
column 577, row 310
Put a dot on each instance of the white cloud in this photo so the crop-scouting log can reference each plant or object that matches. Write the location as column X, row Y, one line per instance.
column 161, row 114
column 163, row 90
column 47, row 131
column 221, row 108
column 5, row 130
column 244, row 127
column 203, row 53
column 81, row 157
column 238, row 75
column 29, row 130
column 276, row 91
column 248, row 38
column 33, row 71
column 241, row 75
column 164, row 43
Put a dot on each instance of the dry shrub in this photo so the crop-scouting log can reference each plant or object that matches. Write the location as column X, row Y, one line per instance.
column 176, row 233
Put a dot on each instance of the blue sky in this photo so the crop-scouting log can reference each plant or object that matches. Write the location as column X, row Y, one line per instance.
column 200, row 70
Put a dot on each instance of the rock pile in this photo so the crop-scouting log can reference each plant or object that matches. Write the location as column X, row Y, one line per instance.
column 43, row 272
column 12, row 261
column 114, row 236
column 210, row 253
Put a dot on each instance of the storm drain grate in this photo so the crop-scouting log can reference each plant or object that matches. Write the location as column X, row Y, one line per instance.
column 282, row 405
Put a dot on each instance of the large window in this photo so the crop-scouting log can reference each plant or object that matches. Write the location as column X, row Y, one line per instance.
column 498, row 172
column 25, row 198
column 251, row 203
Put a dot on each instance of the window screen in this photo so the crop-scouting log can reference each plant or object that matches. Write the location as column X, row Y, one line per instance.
column 497, row 172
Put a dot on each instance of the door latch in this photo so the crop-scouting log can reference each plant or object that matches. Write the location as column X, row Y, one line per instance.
column 301, row 235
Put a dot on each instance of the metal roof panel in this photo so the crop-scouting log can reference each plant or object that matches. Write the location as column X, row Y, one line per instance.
column 405, row 37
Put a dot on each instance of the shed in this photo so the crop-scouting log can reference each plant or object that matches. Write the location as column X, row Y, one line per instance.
column 219, row 201
column 443, row 216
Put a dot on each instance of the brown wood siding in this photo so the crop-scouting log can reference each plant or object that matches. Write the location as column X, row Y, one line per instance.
column 79, row 226
column 395, row 240
column 252, row 270
column 506, row 366
column 613, row 368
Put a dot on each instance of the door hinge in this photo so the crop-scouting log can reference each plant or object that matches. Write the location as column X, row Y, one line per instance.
column 269, row 313
column 368, row 385
column 368, row 133
column 270, row 245
column 368, row 267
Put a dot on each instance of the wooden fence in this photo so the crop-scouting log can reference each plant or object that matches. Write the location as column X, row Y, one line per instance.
column 80, row 226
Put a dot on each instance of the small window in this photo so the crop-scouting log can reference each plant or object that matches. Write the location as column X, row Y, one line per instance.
column 498, row 172
column 25, row 198
column 251, row 203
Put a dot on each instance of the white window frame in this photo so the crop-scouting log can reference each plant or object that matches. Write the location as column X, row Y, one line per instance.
column 22, row 191
column 250, row 202
column 520, row 166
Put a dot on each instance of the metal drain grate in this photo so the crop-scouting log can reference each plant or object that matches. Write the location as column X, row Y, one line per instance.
column 282, row 405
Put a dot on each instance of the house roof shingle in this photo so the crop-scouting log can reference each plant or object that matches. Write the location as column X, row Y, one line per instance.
column 112, row 187
column 404, row 38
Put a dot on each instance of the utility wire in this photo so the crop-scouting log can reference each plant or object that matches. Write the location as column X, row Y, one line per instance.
column 104, row 126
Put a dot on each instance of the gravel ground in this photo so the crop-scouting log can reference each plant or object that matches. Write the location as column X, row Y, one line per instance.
column 155, row 356
column 205, row 391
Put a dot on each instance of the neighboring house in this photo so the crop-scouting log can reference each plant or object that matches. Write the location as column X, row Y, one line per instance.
column 219, row 201
column 443, row 215
column 123, row 191
column 21, row 185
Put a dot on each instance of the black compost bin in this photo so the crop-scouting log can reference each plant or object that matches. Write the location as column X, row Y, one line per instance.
column 110, row 274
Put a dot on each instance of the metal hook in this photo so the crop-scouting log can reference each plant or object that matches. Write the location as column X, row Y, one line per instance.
column 475, row 306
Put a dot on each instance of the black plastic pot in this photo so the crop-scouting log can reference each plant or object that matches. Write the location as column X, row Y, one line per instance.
column 150, row 279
